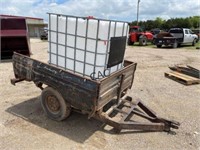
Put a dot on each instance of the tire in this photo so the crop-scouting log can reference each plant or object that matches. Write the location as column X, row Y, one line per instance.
column 159, row 46
column 129, row 42
column 194, row 42
column 153, row 41
column 54, row 104
column 143, row 41
column 175, row 45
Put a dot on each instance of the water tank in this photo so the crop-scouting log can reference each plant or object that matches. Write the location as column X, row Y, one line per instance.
column 87, row 46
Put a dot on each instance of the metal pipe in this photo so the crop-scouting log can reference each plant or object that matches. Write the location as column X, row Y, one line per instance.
column 138, row 10
column 87, row 18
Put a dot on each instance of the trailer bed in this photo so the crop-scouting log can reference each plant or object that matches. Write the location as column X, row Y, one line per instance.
column 81, row 92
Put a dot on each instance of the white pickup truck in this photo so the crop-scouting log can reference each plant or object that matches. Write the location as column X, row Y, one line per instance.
column 175, row 37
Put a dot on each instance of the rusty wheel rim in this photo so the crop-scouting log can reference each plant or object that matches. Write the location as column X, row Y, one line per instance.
column 53, row 104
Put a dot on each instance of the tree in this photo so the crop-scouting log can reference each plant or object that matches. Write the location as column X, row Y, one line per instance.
column 195, row 21
column 158, row 22
column 189, row 22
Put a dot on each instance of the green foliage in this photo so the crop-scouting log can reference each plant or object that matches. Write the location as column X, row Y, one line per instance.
column 189, row 22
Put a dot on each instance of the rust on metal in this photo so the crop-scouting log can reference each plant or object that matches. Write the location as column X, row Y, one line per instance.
column 14, row 81
column 53, row 103
column 120, row 118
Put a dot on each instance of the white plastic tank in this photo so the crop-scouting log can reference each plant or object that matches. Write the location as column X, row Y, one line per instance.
column 82, row 45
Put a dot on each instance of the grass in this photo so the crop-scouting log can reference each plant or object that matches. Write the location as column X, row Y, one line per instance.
column 186, row 46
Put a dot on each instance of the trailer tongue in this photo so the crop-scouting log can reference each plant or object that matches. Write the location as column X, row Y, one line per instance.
column 67, row 91
column 128, row 110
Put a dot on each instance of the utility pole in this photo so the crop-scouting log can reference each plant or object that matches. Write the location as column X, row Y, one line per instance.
column 138, row 3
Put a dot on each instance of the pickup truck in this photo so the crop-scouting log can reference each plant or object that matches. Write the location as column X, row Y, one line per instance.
column 44, row 34
column 175, row 37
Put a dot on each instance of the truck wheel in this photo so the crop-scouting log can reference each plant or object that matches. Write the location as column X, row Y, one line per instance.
column 143, row 41
column 194, row 42
column 159, row 46
column 54, row 104
column 175, row 44
column 153, row 41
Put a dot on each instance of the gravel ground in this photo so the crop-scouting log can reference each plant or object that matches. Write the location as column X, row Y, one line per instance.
column 23, row 124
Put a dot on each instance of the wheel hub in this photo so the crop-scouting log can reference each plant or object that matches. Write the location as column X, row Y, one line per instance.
column 53, row 104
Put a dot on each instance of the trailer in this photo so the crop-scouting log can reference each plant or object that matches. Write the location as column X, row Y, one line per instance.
column 104, row 99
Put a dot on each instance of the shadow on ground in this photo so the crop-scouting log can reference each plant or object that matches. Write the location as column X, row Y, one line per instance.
column 6, row 60
column 179, row 47
column 77, row 127
column 150, row 45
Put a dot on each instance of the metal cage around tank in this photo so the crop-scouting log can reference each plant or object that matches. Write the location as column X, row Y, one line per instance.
column 83, row 44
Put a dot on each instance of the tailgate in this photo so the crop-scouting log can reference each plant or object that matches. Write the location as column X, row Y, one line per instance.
column 116, row 83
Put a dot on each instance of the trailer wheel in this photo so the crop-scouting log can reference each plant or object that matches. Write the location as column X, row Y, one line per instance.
column 143, row 41
column 54, row 104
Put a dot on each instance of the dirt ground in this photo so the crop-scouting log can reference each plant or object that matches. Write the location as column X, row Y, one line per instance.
column 23, row 124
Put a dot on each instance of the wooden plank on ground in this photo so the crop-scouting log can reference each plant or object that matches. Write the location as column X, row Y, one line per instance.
column 182, row 78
